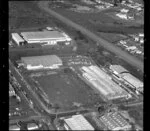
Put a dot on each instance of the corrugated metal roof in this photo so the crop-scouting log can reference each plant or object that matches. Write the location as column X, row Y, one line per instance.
column 117, row 68
column 78, row 122
column 47, row 60
column 17, row 37
column 100, row 80
column 132, row 80
column 114, row 120
column 42, row 35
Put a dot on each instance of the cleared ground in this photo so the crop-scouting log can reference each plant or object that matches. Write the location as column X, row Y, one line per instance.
column 68, row 91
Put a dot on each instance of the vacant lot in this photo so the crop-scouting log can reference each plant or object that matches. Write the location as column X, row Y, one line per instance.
column 68, row 91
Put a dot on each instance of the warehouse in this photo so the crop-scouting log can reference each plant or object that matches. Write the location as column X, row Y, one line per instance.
column 17, row 39
column 132, row 80
column 77, row 122
column 48, row 37
column 114, row 121
column 103, row 83
column 127, row 77
column 117, row 69
column 41, row 62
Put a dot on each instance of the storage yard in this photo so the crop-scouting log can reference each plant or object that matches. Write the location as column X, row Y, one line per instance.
column 68, row 91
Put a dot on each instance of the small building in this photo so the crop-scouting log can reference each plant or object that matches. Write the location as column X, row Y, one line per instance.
column 32, row 126
column 124, row 10
column 17, row 39
column 49, row 37
column 117, row 69
column 114, row 121
column 122, row 16
column 41, row 62
column 77, row 122
column 11, row 90
column 14, row 128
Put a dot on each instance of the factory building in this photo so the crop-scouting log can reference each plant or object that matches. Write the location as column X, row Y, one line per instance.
column 17, row 39
column 103, row 83
column 46, row 37
column 11, row 90
column 117, row 69
column 41, row 62
column 114, row 121
column 77, row 122
column 127, row 77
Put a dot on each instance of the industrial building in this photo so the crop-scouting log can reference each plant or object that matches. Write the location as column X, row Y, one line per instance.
column 117, row 69
column 17, row 39
column 41, row 62
column 132, row 80
column 47, row 37
column 77, row 122
column 32, row 126
column 103, row 83
column 127, row 77
column 114, row 121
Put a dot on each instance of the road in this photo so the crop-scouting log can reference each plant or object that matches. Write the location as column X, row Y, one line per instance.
column 43, row 5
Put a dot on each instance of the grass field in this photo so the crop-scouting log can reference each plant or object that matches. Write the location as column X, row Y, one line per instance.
column 106, row 23
column 68, row 91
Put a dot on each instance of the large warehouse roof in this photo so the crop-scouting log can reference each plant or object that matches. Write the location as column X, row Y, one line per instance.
column 118, row 69
column 101, row 81
column 42, row 35
column 78, row 122
column 47, row 60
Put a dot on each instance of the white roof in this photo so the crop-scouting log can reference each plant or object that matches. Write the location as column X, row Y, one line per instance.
column 114, row 121
column 14, row 128
column 118, row 68
column 78, row 122
column 17, row 37
column 132, row 80
column 124, row 10
column 32, row 126
column 42, row 35
column 46, row 60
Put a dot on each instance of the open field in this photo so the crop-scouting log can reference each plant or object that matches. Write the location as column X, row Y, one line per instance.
column 106, row 23
column 68, row 91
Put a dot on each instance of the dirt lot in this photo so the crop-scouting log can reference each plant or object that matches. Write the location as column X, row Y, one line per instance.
column 68, row 91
